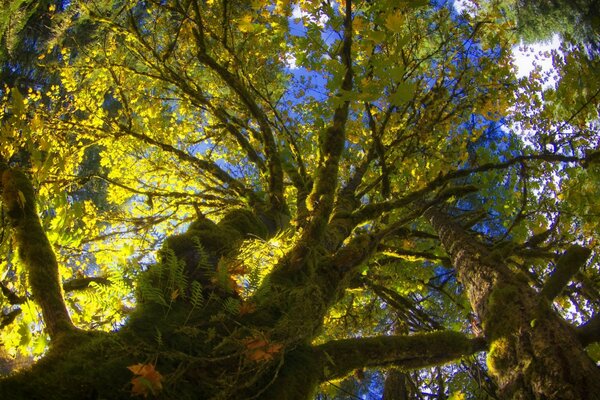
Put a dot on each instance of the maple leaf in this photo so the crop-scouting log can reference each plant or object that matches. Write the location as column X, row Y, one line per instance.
column 395, row 22
column 147, row 380
column 259, row 349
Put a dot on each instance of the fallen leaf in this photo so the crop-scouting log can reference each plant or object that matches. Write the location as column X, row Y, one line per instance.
column 147, row 380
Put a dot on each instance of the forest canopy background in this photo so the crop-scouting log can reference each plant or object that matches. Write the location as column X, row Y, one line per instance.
column 227, row 187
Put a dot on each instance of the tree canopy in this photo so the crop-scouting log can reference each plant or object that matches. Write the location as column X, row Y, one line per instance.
column 228, row 199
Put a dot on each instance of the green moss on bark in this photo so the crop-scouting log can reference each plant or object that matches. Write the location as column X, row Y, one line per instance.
column 35, row 251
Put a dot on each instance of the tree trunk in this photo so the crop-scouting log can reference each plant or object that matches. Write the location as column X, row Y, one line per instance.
column 396, row 386
column 533, row 353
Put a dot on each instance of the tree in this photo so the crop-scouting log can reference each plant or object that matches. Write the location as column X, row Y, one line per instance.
column 576, row 20
column 257, row 238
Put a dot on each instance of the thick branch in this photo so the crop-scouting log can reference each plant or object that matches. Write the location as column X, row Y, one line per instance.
column 7, row 319
column 567, row 265
column 35, row 251
column 341, row 357
column 83, row 283
column 320, row 201
column 589, row 332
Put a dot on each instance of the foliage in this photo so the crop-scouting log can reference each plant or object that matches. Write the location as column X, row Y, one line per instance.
column 238, row 183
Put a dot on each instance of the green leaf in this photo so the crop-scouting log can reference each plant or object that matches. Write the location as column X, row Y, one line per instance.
column 403, row 93
column 25, row 334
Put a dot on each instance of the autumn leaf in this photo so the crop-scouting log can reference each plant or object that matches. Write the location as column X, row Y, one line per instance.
column 247, row 308
column 147, row 380
column 260, row 349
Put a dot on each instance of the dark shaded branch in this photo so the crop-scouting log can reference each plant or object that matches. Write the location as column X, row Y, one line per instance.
column 83, row 283
column 11, row 296
column 341, row 357
column 567, row 265
column 589, row 332
column 405, row 307
column 7, row 319
column 35, row 251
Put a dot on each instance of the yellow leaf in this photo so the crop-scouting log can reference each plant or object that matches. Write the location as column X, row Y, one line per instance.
column 245, row 24
column 395, row 22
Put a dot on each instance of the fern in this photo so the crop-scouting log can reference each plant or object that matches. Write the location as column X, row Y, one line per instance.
column 152, row 294
column 196, row 298
column 176, row 279
column 232, row 306
column 158, row 337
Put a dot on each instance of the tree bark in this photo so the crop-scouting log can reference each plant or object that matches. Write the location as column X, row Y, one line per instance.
column 533, row 353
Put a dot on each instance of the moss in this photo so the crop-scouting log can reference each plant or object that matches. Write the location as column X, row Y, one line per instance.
column 297, row 379
column 35, row 251
column 503, row 312
column 87, row 366
column 244, row 222
column 500, row 356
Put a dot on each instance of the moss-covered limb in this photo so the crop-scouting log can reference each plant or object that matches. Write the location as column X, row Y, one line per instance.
column 533, row 353
column 296, row 379
column 589, row 332
column 567, row 265
column 340, row 357
column 83, row 366
column 205, row 242
column 331, row 145
column 35, row 251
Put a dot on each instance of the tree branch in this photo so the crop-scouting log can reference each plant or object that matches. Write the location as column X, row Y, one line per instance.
column 7, row 319
column 272, row 154
column 340, row 357
column 370, row 210
column 331, row 145
column 11, row 296
column 589, row 332
column 567, row 265
column 82, row 283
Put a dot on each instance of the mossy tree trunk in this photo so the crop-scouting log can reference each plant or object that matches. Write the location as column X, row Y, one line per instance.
column 34, row 250
column 533, row 353
column 205, row 348
column 208, row 352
